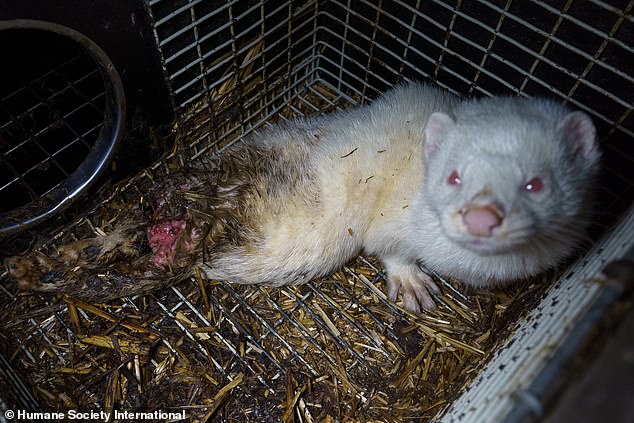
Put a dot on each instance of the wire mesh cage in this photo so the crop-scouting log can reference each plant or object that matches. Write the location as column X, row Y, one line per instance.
column 334, row 349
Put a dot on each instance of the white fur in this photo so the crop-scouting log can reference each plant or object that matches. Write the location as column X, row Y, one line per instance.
column 372, row 185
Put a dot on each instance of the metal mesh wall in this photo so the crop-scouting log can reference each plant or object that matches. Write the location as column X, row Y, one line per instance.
column 578, row 51
column 256, row 55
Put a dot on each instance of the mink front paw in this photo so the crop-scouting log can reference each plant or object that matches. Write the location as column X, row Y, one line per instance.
column 415, row 285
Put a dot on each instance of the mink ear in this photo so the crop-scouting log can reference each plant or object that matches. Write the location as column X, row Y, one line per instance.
column 579, row 132
column 436, row 130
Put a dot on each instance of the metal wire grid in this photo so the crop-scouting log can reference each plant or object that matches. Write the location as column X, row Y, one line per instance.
column 47, row 126
column 480, row 47
column 241, row 60
column 202, row 43
column 272, row 345
column 486, row 48
column 580, row 51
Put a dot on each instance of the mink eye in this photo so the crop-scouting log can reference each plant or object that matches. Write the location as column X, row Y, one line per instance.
column 454, row 178
column 534, row 185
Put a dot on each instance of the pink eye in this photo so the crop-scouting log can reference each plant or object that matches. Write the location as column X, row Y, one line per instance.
column 454, row 178
column 534, row 185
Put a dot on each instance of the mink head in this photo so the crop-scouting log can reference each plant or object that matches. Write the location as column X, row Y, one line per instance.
column 509, row 174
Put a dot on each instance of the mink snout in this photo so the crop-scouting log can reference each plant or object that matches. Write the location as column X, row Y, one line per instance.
column 482, row 220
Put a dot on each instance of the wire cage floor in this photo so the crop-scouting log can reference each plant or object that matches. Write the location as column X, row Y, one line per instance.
column 334, row 349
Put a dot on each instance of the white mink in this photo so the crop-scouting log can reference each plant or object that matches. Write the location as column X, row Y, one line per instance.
column 484, row 191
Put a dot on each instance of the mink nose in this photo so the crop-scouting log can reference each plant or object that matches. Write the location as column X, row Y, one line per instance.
column 481, row 220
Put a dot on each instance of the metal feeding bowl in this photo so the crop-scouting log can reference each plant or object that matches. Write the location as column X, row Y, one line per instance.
column 62, row 112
